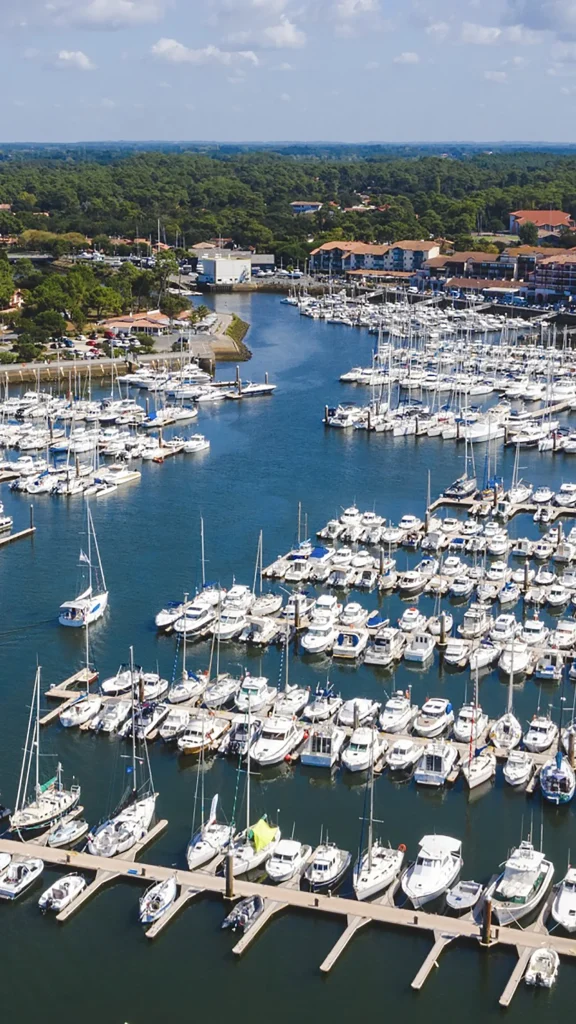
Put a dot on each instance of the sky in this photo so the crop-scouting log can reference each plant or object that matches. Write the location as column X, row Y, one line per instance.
column 299, row 70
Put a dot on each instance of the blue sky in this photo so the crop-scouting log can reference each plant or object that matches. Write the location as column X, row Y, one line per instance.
column 233, row 70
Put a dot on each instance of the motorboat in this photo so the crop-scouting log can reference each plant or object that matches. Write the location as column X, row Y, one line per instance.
column 350, row 643
column 20, row 874
column 557, row 596
column 324, row 704
column 479, row 768
column 435, row 870
column 241, row 735
column 464, row 896
column 81, row 711
column 319, row 637
column 453, row 566
column 470, row 724
column 476, row 622
column 324, row 745
column 289, row 859
column 112, row 716
column 365, row 749
column 543, row 967
column 122, row 682
column 353, row 615
column 245, row 914
column 67, row 833
column 461, row 587
column 252, row 847
column 62, row 893
column 357, row 711
column 398, row 712
column 549, row 667
column 411, row 582
column 327, row 867
column 412, row 620
column 457, row 651
column 403, row 755
column 522, row 886
column 157, row 899
column 420, row 648
column 278, row 738
column 564, row 636
column 190, row 686
column 195, row 620
column 151, row 686
column 518, row 768
column 326, row 608
column 221, row 692
column 542, row 733
column 254, row 694
column 515, row 657
column 484, row 655
column 259, row 632
column 230, row 623
column 563, row 909
column 204, row 732
column 386, row 646
column 436, row 762
column 176, row 721
column 505, row 627
column 436, row 715
column 557, row 780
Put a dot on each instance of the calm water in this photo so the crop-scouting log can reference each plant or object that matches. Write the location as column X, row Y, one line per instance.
column 266, row 456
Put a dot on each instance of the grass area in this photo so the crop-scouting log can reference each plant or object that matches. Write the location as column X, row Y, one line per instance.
column 237, row 330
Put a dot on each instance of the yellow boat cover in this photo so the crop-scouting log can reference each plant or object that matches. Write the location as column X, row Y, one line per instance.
column 262, row 834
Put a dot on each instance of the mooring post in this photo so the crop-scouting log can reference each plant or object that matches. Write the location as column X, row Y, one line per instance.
column 31, row 517
column 230, row 875
column 487, row 923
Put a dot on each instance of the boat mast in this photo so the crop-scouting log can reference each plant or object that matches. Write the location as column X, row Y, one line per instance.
column 202, row 552
column 510, row 680
column 371, row 821
column 28, row 747
column 184, row 674
column 248, row 767
column 134, row 786
column 89, row 549
column 101, row 570
column 37, row 732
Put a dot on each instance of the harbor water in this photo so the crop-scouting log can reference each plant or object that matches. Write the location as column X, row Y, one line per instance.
column 266, row 456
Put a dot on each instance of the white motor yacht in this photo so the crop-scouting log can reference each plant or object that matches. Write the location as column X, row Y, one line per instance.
column 289, row 859
column 386, row 646
column 357, row 711
column 59, row 895
column 515, row 657
column 505, row 626
column 196, row 619
column 412, row 620
column 242, row 734
column 435, row 870
column 365, row 749
column 518, row 768
column 328, row 867
column 471, row 723
column 476, row 622
column 176, row 721
column 420, row 648
column 398, row 712
column 254, row 694
column 350, row 643
column 113, row 714
column 457, row 651
column 484, row 655
column 278, row 738
column 323, row 706
column 229, row 624
column 436, row 715
column 323, row 746
column 319, row 637
column 204, row 732
column 523, row 884
column 564, row 905
column 403, row 755
column 436, row 762
column 542, row 733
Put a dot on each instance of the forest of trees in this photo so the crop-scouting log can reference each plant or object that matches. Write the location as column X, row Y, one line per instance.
column 233, row 192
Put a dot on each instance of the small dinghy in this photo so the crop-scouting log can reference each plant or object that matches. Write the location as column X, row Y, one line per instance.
column 244, row 914
column 157, row 899
column 542, row 967
column 464, row 896
column 67, row 833
column 62, row 893
column 19, row 876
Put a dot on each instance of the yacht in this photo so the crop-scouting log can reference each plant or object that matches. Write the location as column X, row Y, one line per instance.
column 357, row 711
column 470, row 724
column 398, row 712
column 113, row 715
column 476, row 622
column 411, row 582
column 174, row 724
column 549, row 667
column 484, row 655
column 328, row 867
column 436, row 715
column 254, row 694
column 61, row 893
column 91, row 604
column 461, row 586
column 557, row 780
column 420, row 648
column 230, row 623
column 387, row 646
column 259, row 632
column 324, row 705
column 515, row 657
column 436, row 762
column 19, row 876
column 289, row 859
column 211, row 839
column 564, row 906
column 412, row 620
column 323, row 746
column 319, row 637
column 157, row 899
column 457, row 651
column 504, row 628
column 522, row 886
column 221, row 692
column 326, row 608
column 251, row 848
column 518, row 768
column 350, row 643
column 542, row 733
column 279, row 737
column 204, row 732
column 435, row 870
column 403, row 755
column 365, row 749
column 241, row 735
column 196, row 619
column 121, row 683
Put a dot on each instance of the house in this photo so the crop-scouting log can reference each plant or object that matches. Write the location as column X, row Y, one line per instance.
column 224, row 270
column 152, row 322
column 548, row 222
column 300, row 206
column 410, row 255
column 555, row 276
column 338, row 258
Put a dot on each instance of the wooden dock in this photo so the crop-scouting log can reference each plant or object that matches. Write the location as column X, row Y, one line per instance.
column 12, row 537
column 67, row 693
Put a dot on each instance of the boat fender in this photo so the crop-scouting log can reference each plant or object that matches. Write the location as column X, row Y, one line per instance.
column 402, row 848
column 306, row 734
column 288, row 758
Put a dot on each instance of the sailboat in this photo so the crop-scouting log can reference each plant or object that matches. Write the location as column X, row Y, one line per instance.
column 377, row 868
column 87, row 705
column 506, row 733
column 45, row 803
column 91, row 604
column 211, row 838
column 481, row 763
column 557, row 777
column 253, row 846
column 465, row 486
column 131, row 821
column 190, row 686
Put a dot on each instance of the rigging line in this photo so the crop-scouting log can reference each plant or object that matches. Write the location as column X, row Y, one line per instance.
column 22, row 629
column 174, row 669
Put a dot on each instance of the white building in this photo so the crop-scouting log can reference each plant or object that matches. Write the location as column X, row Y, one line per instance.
column 224, row 270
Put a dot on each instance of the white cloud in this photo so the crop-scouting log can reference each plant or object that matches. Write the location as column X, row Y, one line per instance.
column 564, row 53
column 438, row 30
column 284, row 35
column 108, row 14
column 523, row 36
column 568, row 90
column 557, row 16
column 479, row 35
column 372, row 65
column 284, row 96
column 346, row 9
column 74, row 60
column 176, row 53
column 284, row 66
column 107, row 103
column 407, row 58
column 500, row 77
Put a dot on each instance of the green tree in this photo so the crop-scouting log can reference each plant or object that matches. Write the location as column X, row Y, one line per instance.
column 528, row 233
column 172, row 305
column 166, row 264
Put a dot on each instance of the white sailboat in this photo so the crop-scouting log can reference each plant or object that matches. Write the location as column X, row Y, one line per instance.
column 133, row 818
column 40, row 805
column 480, row 765
column 91, row 604
column 88, row 705
column 379, row 865
column 253, row 846
column 506, row 733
